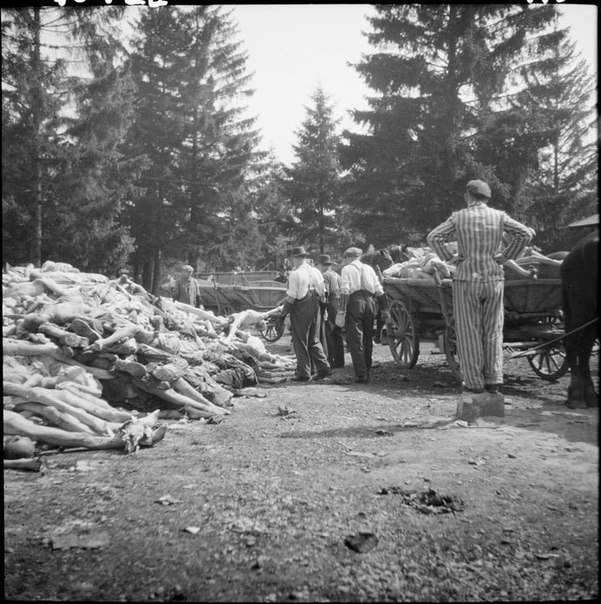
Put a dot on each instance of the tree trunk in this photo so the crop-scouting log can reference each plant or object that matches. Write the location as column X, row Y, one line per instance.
column 36, row 109
column 158, row 255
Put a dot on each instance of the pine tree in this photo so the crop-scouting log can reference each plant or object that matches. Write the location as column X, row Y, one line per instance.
column 314, row 180
column 190, row 73
column 440, row 73
column 220, row 148
column 155, row 136
column 64, row 190
column 274, row 214
column 28, row 125
column 565, row 186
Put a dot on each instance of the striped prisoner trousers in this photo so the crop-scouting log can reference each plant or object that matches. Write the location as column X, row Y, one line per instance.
column 478, row 312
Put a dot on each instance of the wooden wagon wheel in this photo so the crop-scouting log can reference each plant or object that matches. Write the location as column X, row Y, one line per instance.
column 551, row 362
column 403, row 336
column 450, row 351
column 449, row 337
column 273, row 330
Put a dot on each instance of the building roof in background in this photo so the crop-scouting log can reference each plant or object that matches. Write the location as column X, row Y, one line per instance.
column 585, row 222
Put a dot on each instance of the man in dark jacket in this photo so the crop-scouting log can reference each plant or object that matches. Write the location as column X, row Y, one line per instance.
column 186, row 288
column 333, row 334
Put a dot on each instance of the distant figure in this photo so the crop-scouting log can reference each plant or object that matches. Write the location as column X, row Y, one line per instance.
column 283, row 274
column 334, row 347
column 186, row 288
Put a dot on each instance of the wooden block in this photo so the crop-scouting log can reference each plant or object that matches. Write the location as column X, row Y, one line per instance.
column 473, row 405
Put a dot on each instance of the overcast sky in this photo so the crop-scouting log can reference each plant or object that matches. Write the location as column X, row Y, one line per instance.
column 293, row 48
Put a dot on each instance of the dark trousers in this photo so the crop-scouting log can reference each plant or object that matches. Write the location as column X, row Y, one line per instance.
column 335, row 343
column 359, row 324
column 304, row 325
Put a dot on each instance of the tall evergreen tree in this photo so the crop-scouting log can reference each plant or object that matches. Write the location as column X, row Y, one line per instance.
column 565, row 186
column 439, row 73
column 156, row 135
column 273, row 214
column 30, row 102
column 315, row 177
column 63, row 187
column 190, row 74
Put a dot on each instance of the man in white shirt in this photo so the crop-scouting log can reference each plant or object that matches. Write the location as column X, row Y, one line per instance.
column 306, row 290
column 359, row 289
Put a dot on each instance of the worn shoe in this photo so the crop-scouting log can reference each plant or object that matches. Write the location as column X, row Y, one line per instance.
column 299, row 378
column 493, row 388
column 323, row 374
column 362, row 380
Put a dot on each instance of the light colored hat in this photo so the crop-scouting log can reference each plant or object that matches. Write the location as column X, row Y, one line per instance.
column 353, row 252
column 478, row 187
column 187, row 267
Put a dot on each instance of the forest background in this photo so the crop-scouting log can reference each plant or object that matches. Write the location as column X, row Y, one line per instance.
column 126, row 140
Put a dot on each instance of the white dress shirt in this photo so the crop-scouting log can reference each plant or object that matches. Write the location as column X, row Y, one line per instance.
column 304, row 278
column 357, row 276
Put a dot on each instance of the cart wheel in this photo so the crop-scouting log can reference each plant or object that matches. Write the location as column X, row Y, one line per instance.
column 450, row 350
column 550, row 363
column 273, row 330
column 403, row 338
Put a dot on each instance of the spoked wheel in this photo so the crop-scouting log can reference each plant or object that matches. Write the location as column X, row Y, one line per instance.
column 450, row 351
column 550, row 363
column 273, row 330
column 403, row 338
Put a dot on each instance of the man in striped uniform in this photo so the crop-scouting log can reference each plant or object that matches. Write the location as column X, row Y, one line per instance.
column 306, row 291
column 478, row 282
column 359, row 289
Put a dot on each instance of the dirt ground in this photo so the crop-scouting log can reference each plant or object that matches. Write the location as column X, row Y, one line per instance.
column 268, row 505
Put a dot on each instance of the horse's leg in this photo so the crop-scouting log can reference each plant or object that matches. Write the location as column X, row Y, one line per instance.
column 584, row 356
column 576, row 387
column 378, row 329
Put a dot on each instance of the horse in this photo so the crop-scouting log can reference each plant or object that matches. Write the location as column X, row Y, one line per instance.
column 383, row 258
column 380, row 260
column 579, row 298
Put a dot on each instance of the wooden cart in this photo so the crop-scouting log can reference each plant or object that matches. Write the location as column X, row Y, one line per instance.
column 224, row 299
column 422, row 310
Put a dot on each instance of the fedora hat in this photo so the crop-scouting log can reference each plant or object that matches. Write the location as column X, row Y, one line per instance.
column 298, row 251
column 325, row 259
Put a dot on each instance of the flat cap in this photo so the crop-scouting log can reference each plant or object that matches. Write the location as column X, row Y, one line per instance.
column 353, row 252
column 187, row 267
column 478, row 187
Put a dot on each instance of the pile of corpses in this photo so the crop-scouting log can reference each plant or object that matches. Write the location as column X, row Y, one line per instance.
column 87, row 363
column 423, row 263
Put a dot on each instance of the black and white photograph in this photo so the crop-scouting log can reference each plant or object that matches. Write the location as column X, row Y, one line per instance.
column 300, row 301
